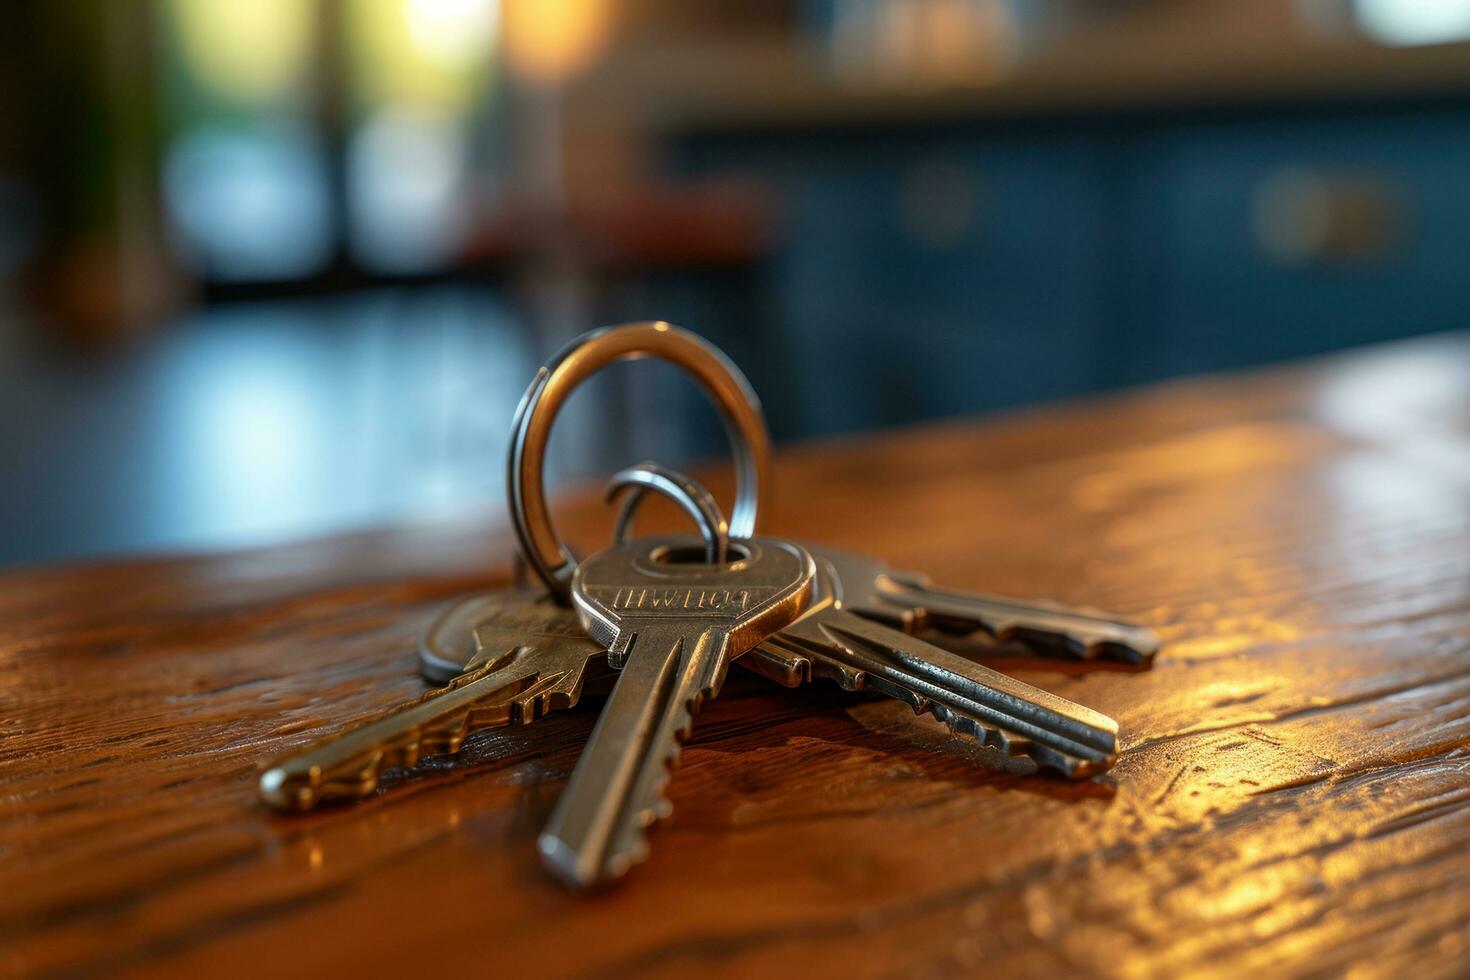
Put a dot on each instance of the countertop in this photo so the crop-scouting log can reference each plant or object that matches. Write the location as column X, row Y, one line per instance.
column 1292, row 796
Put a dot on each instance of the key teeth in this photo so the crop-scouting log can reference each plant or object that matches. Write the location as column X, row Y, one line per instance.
column 539, row 701
column 1019, row 746
column 851, row 679
column 780, row 660
column 633, row 849
column 359, row 778
column 1138, row 651
column 816, row 664
column 360, row 781
column 902, row 607
column 276, row 788
column 1124, row 653
column 1045, row 757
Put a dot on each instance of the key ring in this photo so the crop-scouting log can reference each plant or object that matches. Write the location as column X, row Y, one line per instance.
column 721, row 380
column 683, row 490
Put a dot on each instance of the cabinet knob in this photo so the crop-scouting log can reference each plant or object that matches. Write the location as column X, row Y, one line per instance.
column 1308, row 217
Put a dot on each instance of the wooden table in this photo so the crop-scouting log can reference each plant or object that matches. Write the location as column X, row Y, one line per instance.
column 1293, row 796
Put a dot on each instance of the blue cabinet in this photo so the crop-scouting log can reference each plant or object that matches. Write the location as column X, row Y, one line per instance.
column 939, row 271
column 929, row 277
column 1282, row 239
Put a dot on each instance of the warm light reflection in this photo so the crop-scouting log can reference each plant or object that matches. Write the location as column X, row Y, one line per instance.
column 1405, row 410
column 1125, row 475
column 549, row 41
column 1246, row 894
column 1396, row 396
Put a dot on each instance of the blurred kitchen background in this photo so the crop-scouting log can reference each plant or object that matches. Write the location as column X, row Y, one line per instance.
column 272, row 269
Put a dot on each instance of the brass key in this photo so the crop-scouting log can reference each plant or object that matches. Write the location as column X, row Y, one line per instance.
column 533, row 657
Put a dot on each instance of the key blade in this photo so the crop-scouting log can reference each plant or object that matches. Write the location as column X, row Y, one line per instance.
column 518, row 686
column 617, row 791
column 971, row 699
column 672, row 623
column 1086, row 634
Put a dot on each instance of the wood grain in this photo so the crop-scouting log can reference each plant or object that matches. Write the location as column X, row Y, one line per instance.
column 1293, row 798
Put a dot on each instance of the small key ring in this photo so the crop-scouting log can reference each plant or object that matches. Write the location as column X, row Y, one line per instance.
column 721, row 380
column 683, row 490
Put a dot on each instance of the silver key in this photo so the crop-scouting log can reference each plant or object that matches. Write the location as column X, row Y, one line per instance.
column 998, row 710
column 831, row 641
column 532, row 657
column 906, row 601
column 671, row 625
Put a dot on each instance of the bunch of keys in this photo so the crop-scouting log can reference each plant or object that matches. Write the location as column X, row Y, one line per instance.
column 661, row 618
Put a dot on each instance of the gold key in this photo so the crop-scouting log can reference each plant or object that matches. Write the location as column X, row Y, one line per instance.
column 532, row 657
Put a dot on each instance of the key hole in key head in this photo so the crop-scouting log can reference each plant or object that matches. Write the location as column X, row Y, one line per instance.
column 697, row 555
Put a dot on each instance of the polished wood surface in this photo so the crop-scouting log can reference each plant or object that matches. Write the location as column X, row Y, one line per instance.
column 1293, row 795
